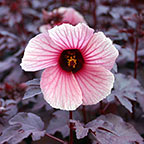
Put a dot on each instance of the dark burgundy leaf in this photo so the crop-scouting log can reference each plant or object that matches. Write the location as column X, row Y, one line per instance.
column 60, row 122
column 126, row 89
column 109, row 129
column 21, row 126
column 33, row 88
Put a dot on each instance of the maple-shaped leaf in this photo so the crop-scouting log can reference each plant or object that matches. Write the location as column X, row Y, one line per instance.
column 8, row 108
column 21, row 126
column 33, row 88
column 109, row 129
column 60, row 122
column 8, row 64
column 125, row 55
column 125, row 90
column 16, row 75
column 121, row 131
column 140, row 100
column 102, row 10
column 119, row 11
column 38, row 103
column 83, row 130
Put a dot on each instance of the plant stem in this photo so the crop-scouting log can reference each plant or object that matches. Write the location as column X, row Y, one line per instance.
column 56, row 139
column 104, row 109
column 84, row 114
column 63, row 2
column 94, row 12
column 71, row 128
column 135, row 72
column 136, row 61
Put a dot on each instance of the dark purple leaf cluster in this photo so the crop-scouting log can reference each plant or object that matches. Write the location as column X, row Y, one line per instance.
column 25, row 117
column 108, row 129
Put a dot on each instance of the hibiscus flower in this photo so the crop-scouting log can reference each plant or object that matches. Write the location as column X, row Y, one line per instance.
column 77, row 65
column 60, row 16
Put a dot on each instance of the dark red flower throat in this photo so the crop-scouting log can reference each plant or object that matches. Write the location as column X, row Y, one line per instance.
column 71, row 60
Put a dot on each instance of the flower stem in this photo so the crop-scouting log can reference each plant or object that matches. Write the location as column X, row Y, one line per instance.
column 63, row 2
column 56, row 139
column 135, row 71
column 84, row 114
column 136, row 61
column 94, row 12
column 71, row 128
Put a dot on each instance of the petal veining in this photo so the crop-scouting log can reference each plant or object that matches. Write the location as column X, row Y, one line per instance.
column 100, row 51
column 60, row 89
column 67, row 36
column 41, row 52
column 95, row 83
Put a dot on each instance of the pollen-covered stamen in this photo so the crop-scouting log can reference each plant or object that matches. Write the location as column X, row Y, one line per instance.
column 71, row 60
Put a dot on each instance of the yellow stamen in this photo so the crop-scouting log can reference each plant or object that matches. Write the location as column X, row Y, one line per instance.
column 72, row 59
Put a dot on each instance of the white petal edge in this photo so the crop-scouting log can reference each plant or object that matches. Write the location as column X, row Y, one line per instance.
column 67, row 36
column 100, row 51
column 95, row 83
column 41, row 52
column 60, row 89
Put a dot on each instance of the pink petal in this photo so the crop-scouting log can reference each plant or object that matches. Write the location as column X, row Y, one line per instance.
column 67, row 36
column 40, row 53
column 60, row 89
column 100, row 51
column 95, row 83
column 45, row 28
column 71, row 16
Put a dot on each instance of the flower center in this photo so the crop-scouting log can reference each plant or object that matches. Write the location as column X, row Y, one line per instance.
column 71, row 60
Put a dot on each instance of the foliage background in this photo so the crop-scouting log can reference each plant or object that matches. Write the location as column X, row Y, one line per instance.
column 27, row 121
